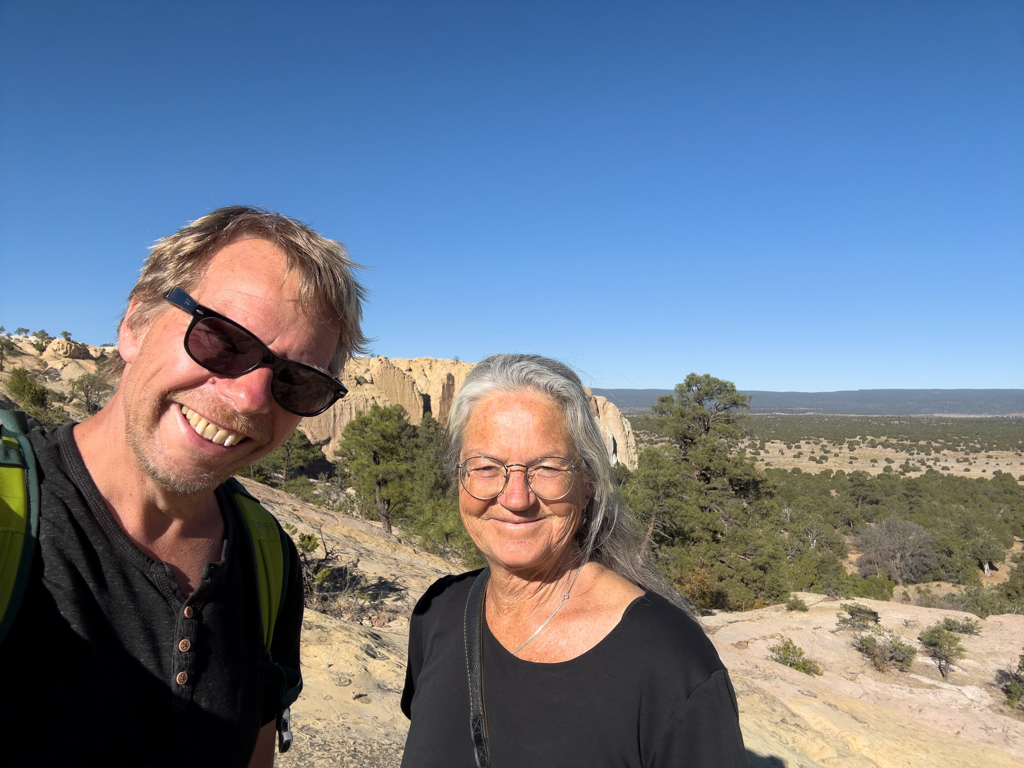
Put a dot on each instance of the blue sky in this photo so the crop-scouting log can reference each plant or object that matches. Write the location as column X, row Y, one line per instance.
column 804, row 196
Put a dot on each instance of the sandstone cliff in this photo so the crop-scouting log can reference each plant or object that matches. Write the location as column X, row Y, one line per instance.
column 426, row 385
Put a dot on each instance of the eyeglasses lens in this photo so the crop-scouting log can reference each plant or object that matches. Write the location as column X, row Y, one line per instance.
column 549, row 478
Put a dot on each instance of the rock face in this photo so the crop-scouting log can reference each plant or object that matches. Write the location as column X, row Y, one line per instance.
column 426, row 385
column 67, row 350
column 616, row 430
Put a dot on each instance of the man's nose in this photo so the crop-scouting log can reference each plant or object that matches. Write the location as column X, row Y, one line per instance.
column 249, row 393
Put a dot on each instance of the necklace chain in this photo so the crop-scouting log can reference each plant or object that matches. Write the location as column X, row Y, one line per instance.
column 565, row 596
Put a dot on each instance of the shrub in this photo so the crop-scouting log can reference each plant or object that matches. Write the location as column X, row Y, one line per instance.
column 886, row 649
column 301, row 487
column 858, row 616
column 1013, row 684
column 796, row 604
column 965, row 627
column 789, row 653
column 943, row 647
column 26, row 390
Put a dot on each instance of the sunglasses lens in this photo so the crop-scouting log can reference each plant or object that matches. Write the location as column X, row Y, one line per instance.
column 301, row 390
column 230, row 350
column 223, row 348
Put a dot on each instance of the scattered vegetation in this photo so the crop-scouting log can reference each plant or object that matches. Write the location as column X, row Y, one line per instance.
column 1012, row 684
column 789, row 653
column 856, row 616
column 964, row 627
column 796, row 604
column 943, row 647
column 886, row 649
column 926, row 435
column 92, row 389
column 30, row 392
column 339, row 589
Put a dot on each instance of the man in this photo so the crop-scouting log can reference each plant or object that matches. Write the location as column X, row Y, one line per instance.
column 139, row 641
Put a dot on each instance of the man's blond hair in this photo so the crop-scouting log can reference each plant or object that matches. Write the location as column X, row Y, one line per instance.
column 326, row 285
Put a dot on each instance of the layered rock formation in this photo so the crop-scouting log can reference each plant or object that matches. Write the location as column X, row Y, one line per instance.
column 427, row 385
column 616, row 430
column 68, row 350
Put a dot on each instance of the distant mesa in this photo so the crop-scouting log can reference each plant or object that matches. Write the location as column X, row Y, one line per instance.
column 861, row 402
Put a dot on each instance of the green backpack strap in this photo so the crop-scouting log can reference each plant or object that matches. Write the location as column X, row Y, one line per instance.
column 19, row 514
column 272, row 568
column 271, row 573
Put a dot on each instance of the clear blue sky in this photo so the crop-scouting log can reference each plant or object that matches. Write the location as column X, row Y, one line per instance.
column 790, row 195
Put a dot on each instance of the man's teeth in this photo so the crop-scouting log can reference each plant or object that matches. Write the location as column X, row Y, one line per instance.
column 211, row 432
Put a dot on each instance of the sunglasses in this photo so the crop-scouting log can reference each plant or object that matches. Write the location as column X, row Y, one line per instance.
column 222, row 346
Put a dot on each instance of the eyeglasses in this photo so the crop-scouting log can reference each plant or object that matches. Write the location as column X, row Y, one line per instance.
column 550, row 478
column 222, row 346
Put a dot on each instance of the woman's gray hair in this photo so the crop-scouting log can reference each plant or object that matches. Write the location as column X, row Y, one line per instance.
column 607, row 534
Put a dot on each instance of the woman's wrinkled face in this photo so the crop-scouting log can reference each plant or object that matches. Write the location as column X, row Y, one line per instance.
column 516, row 530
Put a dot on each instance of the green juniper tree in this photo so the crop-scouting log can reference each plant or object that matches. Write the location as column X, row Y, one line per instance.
column 706, row 507
column 942, row 646
column 375, row 456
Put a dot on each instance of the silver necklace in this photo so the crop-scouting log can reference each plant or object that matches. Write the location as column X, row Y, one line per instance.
column 565, row 596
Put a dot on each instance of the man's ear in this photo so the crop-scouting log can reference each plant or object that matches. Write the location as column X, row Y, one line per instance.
column 131, row 333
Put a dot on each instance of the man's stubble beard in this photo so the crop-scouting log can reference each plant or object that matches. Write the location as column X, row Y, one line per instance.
column 198, row 480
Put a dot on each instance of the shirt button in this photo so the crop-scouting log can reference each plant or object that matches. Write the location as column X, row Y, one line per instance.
column 188, row 611
column 184, row 645
column 182, row 678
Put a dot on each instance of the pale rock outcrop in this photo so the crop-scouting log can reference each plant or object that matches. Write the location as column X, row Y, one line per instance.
column 424, row 385
column 438, row 379
column 399, row 388
column 615, row 429
column 326, row 429
column 63, row 349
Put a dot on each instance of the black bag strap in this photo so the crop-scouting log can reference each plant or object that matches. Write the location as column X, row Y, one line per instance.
column 474, row 635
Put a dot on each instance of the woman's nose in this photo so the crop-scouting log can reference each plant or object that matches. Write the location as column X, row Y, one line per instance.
column 517, row 491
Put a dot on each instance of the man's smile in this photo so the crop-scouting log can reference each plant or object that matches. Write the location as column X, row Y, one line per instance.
column 210, row 431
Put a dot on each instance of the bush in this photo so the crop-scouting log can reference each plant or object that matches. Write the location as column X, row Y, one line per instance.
column 27, row 390
column 796, row 604
column 787, row 652
column 301, row 487
column 965, row 627
column 943, row 647
column 886, row 649
column 858, row 616
column 1013, row 685
column 875, row 587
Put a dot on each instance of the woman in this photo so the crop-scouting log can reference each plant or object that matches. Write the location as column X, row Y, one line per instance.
column 568, row 649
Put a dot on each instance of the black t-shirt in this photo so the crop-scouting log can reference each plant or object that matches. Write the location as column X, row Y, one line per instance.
column 109, row 664
column 652, row 694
